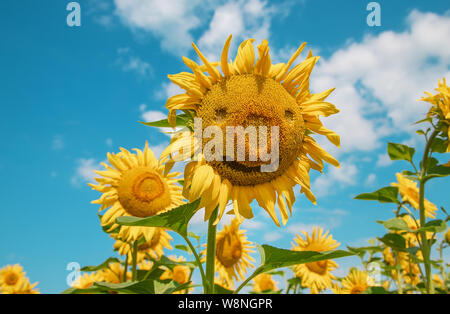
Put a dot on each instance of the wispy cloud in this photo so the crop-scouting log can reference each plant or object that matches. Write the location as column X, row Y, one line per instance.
column 84, row 171
column 131, row 63
column 57, row 142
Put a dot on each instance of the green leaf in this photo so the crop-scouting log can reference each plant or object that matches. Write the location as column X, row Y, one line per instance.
column 400, row 152
column 388, row 194
column 439, row 145
column 176, row 219
column 183, row 247
column 395, row 224
column 181, row 120
column 434, row 226
column 273, row 258
column 375, row 290
column 131, row 287
column 218, row 289
column 424, row 120
column 90, row 290
column 437, row 171
column 395, row 241
column 102, row 265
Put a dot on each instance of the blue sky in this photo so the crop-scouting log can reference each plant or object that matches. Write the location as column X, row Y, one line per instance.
column 69, row 95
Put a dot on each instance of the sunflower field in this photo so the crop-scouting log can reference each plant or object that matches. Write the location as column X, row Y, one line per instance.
column 143, row 203
column 246, row 137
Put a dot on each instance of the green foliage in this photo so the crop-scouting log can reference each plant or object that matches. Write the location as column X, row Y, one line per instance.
column 102, row 265
column 388, row 194
column 400, row 152
column 176, row 219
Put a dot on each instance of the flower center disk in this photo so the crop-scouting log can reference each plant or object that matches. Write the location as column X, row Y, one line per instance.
column 142, row 193
column 256, row 104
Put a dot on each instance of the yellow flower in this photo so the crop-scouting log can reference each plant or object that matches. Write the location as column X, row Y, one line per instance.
column 160, row 239
column 114, row 273
column 251, row 92
column 180, row 274
column 87, row 280
column 136, row 186
column 356, row 282
column 409, row 269
column 447, row 236
column 264, row 282
column 413, row 224
column 232, row 253
column 11, row 277
column 316, row 275
column 440, row 108
column 410, row 193
column 23, row 287
column 437, row 280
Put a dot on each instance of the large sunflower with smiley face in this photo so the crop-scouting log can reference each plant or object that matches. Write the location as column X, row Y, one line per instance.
column 251, row 92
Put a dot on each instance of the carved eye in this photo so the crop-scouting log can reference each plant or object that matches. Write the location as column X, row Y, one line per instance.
column 221, row 114
column 289, row 115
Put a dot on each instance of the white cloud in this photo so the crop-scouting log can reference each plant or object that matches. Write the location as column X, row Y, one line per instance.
column 370, row 179
column 272, row 236
column 109, row 142
column 383, row 160
column 84, row 172
column 131, row 63
column 335, row 179
column 384, row 74
column 170, row 21
column 174, row 22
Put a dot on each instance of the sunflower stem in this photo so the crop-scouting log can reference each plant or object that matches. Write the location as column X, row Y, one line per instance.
column 134, row 261
column 125, row 269
column 426, row 247
column 211, row 253
column 199, row 262
column 258, row 271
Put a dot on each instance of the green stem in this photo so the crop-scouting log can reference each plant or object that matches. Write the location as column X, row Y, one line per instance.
column 255, row 273
column 199, row 262
column 443, row 274
column 211, row 253
column 125, row 269
column 134, row 261
column 399, row 274
column 426, row 248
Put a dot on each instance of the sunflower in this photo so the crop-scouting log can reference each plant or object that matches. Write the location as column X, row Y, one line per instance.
column 11, row 277
column 232, row 253
column 136, row 186
column 409, row 269
column 316, row 275
column 160, row 239
column 114, row 273
column 413, row 224
column 356, row 282
column 410, row 193
column 264, row 282
column 87, row 280
column 447, row 236
column 181, row 274
column 440, row 108
column 23, row 287
column 251, row 93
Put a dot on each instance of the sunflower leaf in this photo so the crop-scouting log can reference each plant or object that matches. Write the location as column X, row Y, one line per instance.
column 434, row 226
column 176, row 219
column 400, row 152
column 277, row 258
column 102, row 265
column 388, row 194
column 395, row 241
column 182, row 120
column 437, row 171
column 131, row 287
column 395, row 224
